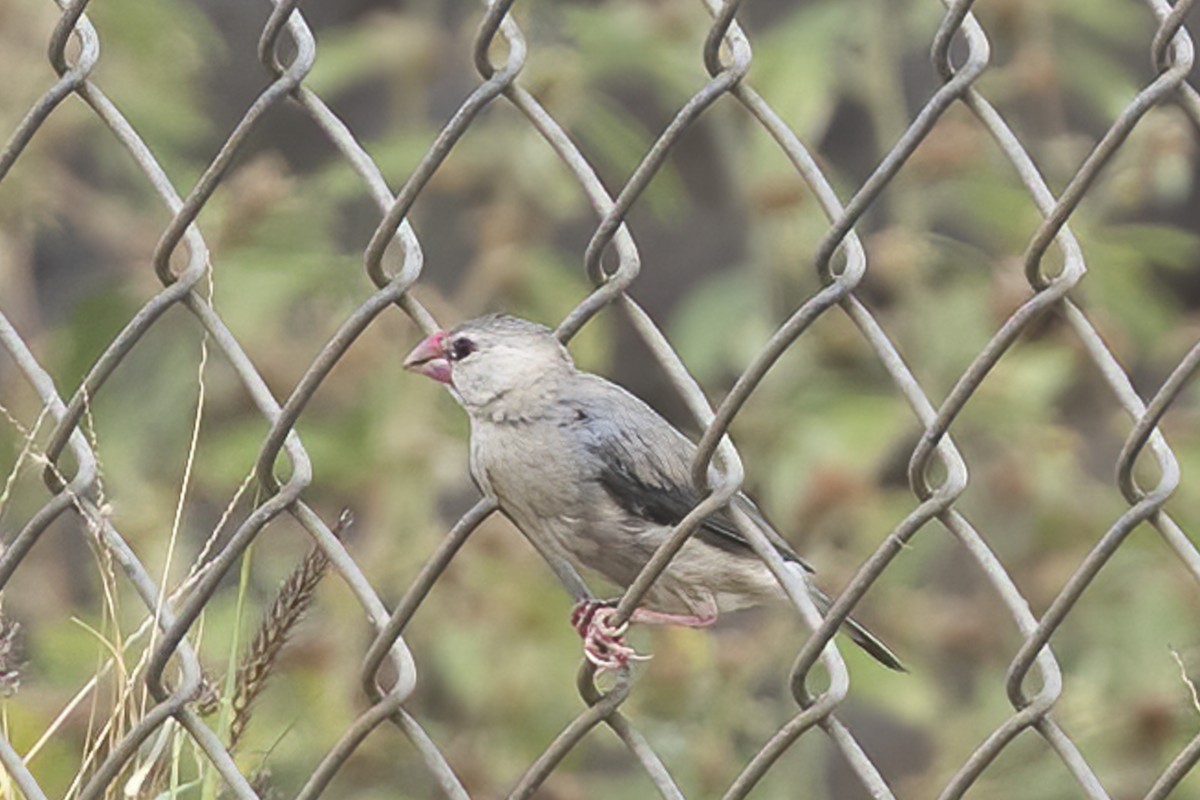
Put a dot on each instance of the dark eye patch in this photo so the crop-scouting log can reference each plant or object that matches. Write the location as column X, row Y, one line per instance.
column 460, row 348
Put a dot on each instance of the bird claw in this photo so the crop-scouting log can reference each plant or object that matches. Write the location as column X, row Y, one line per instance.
column 603, row 643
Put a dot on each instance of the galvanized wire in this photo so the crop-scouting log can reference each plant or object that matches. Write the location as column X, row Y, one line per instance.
column 727, row 56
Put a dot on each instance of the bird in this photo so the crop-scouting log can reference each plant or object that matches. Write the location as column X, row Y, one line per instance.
column 592, row 474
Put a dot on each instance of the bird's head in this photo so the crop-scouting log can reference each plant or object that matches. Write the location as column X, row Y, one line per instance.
column 487, row 359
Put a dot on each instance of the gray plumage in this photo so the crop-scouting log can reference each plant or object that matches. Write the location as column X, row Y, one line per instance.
column 592, row 473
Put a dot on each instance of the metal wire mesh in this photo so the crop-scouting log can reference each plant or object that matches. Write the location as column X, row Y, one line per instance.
column 173, row 674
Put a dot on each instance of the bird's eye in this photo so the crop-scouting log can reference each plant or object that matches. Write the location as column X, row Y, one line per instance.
column 460, row 348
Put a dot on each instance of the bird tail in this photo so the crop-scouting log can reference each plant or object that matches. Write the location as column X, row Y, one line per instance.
column 860, row 635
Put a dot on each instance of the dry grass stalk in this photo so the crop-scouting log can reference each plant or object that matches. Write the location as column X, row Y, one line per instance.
column 291, row 602
column 10, row 656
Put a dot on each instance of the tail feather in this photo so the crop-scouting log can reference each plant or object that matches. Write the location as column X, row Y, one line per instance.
column 862, row 637
column 873, row 646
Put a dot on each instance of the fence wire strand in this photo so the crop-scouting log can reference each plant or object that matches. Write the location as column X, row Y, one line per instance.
column 1035, row 680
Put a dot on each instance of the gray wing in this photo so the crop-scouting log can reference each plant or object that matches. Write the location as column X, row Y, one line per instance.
column 644, row 464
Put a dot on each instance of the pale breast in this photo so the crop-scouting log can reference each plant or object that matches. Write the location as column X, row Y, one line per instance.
column 528, row 469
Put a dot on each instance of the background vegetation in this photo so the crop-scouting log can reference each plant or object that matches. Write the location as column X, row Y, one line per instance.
column 726, row 232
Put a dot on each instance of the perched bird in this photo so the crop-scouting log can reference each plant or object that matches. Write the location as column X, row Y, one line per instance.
column 591, row 473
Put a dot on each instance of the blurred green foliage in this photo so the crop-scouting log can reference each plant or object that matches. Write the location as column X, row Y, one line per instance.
column 826, row 437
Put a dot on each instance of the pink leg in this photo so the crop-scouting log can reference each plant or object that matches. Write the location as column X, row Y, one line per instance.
column 648, row 617
column 604, row 643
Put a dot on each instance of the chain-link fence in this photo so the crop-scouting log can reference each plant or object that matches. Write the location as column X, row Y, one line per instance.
column 179, row 689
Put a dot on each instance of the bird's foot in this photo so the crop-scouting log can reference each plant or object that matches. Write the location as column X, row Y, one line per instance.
column 603, row 643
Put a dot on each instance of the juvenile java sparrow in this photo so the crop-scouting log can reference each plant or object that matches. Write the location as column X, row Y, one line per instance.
column 591, row 473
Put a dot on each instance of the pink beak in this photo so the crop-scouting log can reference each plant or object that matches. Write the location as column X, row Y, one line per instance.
column 429, row 358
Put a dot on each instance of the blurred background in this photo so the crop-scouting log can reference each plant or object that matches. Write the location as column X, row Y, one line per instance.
column 726, row 233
